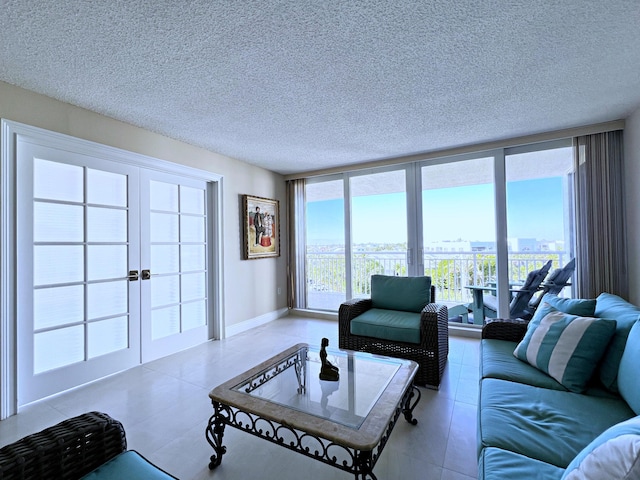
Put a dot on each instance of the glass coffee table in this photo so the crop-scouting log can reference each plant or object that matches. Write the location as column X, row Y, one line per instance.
column 344, row 423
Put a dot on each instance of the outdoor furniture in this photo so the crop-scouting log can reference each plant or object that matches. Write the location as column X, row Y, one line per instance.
column 518, row 307
column 553, row 284
column 399, row 320
column 91, row 444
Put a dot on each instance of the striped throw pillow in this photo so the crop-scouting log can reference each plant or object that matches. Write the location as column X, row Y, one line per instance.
column 566, row 347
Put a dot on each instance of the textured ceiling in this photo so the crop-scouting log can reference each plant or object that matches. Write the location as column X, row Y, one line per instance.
column 298, row 85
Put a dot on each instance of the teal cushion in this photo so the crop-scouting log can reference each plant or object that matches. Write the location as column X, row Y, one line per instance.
column 549, row 425
column 497, row 361
column 628, row 382
column 388, row 325
column 498, row 464
column 625, row 314
column 409, row 294
column 614, row 455
column 574, row 306
column 567, row 347
column 130, row 465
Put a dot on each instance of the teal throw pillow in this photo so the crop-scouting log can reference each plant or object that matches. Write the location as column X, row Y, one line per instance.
column 625, row 315
column 583, row 307
column 128, row 465
column 566, row 347
column 614, row 455
column 628, row 383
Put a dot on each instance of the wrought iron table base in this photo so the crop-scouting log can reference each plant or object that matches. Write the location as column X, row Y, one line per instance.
column 358, row 462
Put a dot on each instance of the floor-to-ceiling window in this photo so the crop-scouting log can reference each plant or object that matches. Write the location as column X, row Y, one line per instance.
column 474, row 223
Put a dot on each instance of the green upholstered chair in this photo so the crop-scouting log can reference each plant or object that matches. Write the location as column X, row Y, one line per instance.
column 399, row 320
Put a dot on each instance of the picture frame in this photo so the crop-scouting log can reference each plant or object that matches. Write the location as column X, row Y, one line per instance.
column 266, row 213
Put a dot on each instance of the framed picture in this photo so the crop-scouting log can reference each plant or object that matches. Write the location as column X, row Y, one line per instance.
column 261, row 218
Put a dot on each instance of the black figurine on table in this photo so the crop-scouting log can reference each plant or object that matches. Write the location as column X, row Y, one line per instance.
column 328, row 371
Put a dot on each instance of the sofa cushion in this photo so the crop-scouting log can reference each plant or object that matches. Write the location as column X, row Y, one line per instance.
column 614, row 455
column 409, row 294
column 498, row 464
column 498, row 361
column 548, row 425
column 625, row 314
column 574, row 306
column 387, row 324
column 567, row 347
column 130, row 465
column 628, row 383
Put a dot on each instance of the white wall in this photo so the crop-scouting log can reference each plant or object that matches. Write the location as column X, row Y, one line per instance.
column 632, row 193
column 249, row 285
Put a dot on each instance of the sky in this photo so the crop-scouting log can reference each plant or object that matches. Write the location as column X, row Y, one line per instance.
column 534, row 210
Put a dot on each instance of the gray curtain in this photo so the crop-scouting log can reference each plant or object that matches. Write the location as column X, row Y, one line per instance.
column 601, row 251
column 296, row 264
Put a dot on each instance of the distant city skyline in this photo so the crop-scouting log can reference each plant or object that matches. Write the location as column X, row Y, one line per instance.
column 534, row 210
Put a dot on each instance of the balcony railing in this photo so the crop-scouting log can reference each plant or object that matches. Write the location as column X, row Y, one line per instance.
column 450, row 272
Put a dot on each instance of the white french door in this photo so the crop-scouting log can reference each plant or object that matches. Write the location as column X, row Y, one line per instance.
column 173, row 246
column 77, row 235
column 112, row 267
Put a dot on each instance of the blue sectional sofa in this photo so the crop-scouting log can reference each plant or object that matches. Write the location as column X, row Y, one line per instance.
column 560, row 395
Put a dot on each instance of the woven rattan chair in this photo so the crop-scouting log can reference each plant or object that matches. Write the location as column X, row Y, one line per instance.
column 430, row 353
column 68, row 450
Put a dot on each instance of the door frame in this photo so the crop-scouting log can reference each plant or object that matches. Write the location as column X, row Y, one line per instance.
column 9, row 133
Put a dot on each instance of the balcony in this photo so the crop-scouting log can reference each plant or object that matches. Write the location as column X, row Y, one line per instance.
column 450, row 272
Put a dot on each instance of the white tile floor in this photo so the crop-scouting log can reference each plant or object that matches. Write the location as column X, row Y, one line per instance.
column 164, row 407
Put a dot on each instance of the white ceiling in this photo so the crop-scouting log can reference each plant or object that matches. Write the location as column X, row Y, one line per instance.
column 298, row 85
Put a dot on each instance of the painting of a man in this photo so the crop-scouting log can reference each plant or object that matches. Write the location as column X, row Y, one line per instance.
column 261, row 235
column 258, row 223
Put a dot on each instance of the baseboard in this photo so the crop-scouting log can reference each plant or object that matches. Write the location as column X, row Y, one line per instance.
column 314, row 314
column 231, row 330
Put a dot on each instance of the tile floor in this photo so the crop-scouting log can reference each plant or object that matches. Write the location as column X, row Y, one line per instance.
column 164, row 407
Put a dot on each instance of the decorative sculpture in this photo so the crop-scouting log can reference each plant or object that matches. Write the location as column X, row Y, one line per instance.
column 328, row 371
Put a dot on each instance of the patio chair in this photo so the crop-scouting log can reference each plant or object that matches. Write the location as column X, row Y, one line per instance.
column 519, row 306
column 555, row 282
column 399, row 320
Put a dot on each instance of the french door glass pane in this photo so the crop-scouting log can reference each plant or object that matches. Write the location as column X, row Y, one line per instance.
column 165, row 322
column 58, row 306
column 458, row 230
column 106, row 225
column 55, row 222
column 163, row 196
column 165, row 259
column 164, row 227
column 192, row 200
column 539, row 211
column 106, row 261
column 325, row 236
column 115, row 292
column 194, row 314
column 57, row 264
column 57, row 181
column 165, row 290
column 106, row 188
column 193, row 286
column 191, row 229
column 58, row 348
column 193, row 257
column 107, row 336
column 378, row 228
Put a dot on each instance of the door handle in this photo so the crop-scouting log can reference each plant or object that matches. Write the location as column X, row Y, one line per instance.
column 146, row 274
column 133, row 275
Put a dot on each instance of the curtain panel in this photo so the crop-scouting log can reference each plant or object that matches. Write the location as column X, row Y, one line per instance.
column 600, row 228
column 296, row 259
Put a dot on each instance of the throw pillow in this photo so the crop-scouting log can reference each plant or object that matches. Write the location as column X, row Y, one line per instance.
column 614, row 455
column 566, row 347
column 408, row 294
column 584, row 307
